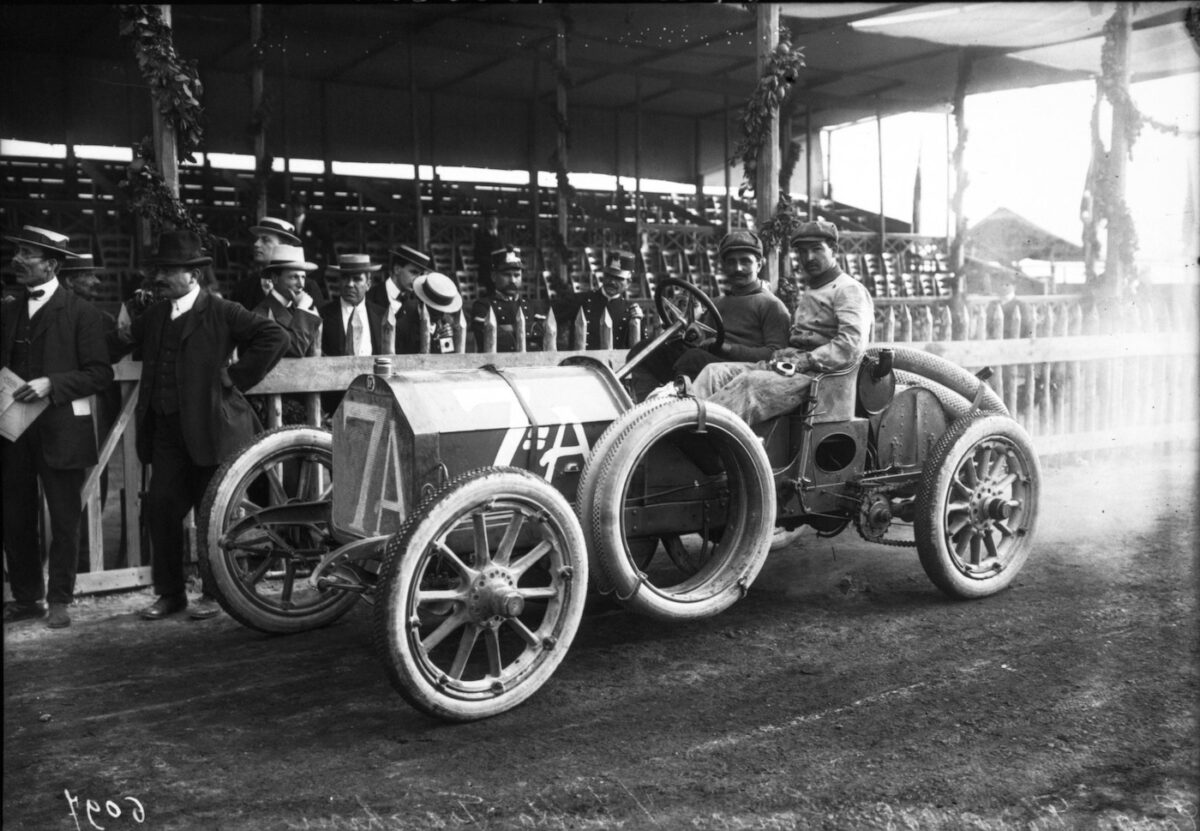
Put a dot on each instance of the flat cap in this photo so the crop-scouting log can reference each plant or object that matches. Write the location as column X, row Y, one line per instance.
column 818, row 229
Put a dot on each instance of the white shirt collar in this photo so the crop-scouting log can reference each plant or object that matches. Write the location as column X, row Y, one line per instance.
column 50, row 286
column 184, row 304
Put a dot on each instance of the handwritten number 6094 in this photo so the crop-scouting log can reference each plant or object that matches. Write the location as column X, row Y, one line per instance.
column 92, row 809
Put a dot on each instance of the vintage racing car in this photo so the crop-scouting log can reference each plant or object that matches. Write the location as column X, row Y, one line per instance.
column 474, row 508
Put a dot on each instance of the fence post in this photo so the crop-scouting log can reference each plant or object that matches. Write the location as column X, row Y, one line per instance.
column 606, row 330
column 424, row 329
column 459, row 327
column 581, row 330
column 550, row 332
column 519, row 329
column 489, row 330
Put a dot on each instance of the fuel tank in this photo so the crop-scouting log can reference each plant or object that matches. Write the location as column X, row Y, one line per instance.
column 398, row 438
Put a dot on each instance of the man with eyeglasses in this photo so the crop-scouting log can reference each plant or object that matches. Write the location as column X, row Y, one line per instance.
column 54, row 342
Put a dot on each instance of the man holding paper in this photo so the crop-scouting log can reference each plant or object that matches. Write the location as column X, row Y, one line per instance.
column 52, row 342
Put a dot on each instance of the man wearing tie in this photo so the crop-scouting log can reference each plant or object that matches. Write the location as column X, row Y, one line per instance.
column 191, row 410
column 400, row 327
column 288, row 304
column 351, row 324
column 54, row 341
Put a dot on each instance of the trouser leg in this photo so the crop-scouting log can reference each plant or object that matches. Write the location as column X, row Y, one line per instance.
column 168, row 500
column 21, row 511
column 62, row 489
column 759, row 394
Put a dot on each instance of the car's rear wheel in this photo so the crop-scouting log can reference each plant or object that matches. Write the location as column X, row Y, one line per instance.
column 480, row 594
column 977, row 505
column 708, row 478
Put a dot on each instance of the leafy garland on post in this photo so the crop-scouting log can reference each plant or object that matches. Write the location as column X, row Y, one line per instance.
column 1103, row 188
column 777, row 78
column 175, row 89
column 772, row 88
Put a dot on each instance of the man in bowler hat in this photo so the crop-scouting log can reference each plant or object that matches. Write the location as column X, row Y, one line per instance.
column 191, row 411
column 395, row 293
column 54, row 341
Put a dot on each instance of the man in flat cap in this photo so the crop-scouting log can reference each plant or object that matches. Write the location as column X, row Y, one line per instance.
column 505, row 302
column 830, row 331
column 191, row 411
column 756, row 321
column 53, row 341
column 270, row 233
column 609, row 298
column 395, row 294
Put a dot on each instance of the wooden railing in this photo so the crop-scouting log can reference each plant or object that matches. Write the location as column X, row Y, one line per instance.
column 1081, row 383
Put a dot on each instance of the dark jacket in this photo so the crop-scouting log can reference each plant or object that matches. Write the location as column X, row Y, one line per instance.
column 333, row 331
column 215, row 416
column 505, row 309
column 303, row 327
column 407, row 338
column 249, row 291
column 70, row 333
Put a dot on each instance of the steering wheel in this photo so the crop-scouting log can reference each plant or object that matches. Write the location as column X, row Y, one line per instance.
column 684, row 317
column 680, row 320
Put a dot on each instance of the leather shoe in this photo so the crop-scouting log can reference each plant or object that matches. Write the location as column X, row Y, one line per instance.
column 204, row 608
column 15, row 610
column 165, row 605
column 58, row 617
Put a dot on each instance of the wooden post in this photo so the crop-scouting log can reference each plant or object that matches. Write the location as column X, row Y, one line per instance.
column 957, row 257
column 879, row 169
column 560, row 100
column 697, row 176
column 257, row 110
column 639, row 220
column 415, row 137
column 164, row 133
column 808, row 162
column 535, row 191
column 766, row 185
column 1116, row 281
column 728, row 183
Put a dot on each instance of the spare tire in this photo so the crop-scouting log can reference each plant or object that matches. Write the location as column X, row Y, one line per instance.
column 685, row 458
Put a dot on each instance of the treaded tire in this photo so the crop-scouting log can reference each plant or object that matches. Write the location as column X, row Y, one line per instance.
column 977, row 505
column 253, row 579
column 454, row 639
column 701, row 587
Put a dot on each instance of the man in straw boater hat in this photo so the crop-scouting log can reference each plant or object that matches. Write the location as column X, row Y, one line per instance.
column 270, row 233
column 52, row 341
column 191, row 411
column 288, row 304
column 830, row 330
column 395, row 293
column 351, row 324
column 441, row 297
column 610, row 297
column 756, row 321
column 504, row 301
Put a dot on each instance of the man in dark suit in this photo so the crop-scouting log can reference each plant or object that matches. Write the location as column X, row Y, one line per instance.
column 191, row 411
column 610, row 298
column 395, row 294
column 504, row 303
column 54, row 342
column 269, row 234
column 351, row 324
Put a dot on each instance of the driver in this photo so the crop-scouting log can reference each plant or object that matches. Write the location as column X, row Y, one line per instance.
column 830, row 331
column 756, row 321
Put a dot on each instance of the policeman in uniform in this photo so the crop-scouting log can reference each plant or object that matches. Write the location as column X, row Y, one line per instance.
column 504, row 302
column 610, row 297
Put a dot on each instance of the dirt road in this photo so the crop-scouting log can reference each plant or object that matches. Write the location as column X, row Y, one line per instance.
column 844, row 692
